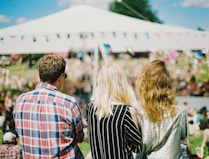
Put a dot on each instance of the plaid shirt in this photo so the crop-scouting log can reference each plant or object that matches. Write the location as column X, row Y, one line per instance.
column 10, row 151
column 49, row 124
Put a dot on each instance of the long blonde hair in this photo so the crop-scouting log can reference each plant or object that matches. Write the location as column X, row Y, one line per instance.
column 112, row 86
column 155, row 89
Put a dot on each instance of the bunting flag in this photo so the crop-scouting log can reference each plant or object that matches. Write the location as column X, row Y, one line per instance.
column 47, row 38
column 147, row 35
column 114, row 34
column 173, row 54
column 110, row 41
column 58, row 36
column 22, row 37
column 107, row 48
column 34, row 39
column 92, row 35
column 198, row 54
column 135, row 36
column 80, row 55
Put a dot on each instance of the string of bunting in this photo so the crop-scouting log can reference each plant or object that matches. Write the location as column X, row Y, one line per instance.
column 103, row 35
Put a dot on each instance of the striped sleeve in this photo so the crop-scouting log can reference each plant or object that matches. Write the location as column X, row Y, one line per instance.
column 134, row 135
column 112, row 136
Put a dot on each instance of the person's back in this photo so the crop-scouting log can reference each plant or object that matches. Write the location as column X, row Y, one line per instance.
column 163, row 140
column 115, row 133
column 45, row 123
column 204, row 121
column 164, row 125
column 113, row 130
column 48, row 122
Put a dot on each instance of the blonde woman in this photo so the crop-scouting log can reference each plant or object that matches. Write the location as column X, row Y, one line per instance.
column 164, row 125
column 111, row 117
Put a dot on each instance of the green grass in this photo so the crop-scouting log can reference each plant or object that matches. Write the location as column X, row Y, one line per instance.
column 23, row 71
column 196, row 141
column 85, row 148
column 185, row 61
column 20, row 69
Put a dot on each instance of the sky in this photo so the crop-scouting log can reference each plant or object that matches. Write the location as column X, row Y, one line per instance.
column 190, row 14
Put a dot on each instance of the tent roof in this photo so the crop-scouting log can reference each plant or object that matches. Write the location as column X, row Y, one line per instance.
column 82, row 27
column 84, row 18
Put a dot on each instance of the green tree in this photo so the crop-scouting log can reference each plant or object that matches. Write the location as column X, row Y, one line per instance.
column 140, row 9
column 200, row 29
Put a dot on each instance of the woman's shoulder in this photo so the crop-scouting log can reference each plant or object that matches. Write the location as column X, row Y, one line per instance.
column 122, row 108
column 180, row 110
column 90, row 104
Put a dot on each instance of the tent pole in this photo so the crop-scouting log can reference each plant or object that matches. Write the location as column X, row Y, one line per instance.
column 103, row 52
column 96, row 58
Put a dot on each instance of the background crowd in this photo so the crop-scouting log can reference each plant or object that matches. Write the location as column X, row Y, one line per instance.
column 189, row 74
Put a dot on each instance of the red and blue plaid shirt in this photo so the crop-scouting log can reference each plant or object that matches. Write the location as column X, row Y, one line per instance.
column 49, row 124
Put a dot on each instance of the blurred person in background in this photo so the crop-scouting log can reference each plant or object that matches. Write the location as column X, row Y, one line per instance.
column 8, row 103
column 204, row 121
column 10, row 148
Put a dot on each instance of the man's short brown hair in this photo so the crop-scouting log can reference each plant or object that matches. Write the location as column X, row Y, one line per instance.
column 50, row 67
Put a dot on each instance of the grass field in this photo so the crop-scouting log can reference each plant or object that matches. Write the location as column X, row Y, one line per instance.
column 196, row 141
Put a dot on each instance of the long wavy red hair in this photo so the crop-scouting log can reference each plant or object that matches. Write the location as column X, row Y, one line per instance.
column 155, row 89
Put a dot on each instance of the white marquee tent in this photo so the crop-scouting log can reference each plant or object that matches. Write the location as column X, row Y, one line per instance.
column 83, row 27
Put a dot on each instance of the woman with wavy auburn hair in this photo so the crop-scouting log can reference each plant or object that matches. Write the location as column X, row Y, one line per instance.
column 111, row 117
column 164, row 125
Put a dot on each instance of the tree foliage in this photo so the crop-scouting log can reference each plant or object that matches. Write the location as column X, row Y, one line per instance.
column 140, row 9
column 200, row 29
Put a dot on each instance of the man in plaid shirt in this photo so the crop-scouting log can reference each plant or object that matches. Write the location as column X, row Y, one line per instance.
column 48, row 122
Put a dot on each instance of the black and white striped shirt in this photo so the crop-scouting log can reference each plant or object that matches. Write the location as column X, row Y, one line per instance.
column 113, row 137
